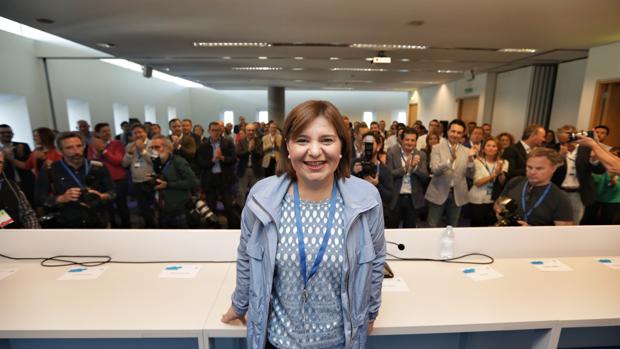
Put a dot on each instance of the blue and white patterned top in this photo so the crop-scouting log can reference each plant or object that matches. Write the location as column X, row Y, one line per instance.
column 317, row 322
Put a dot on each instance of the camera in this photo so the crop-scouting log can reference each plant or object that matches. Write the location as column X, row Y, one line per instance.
column 157, row 170
column 508, row 212
column 87, row 198
column 202, row 214
column 573, row 136
column 368, row 167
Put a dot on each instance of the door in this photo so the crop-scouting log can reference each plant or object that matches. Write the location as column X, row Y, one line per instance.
column 607, row 110
column 413, row 114
column 468, row 109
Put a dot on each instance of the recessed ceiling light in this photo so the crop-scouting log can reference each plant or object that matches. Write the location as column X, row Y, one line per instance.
column 405, row 60
column 403, row 70
column 297, row 69
column 389, row 46
column 518, row 50
column 333, row 58
column 262, row 57
column 359, row 69
column 226, row 57
column 231, row 44
column 257, row 68
column 165, row 69
column 298, row 58
column 105, row 44
column 299, row 80
column 45, row 20
column 448, row 71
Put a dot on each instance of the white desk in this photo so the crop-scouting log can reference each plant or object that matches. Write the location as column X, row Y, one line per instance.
column 129, row 301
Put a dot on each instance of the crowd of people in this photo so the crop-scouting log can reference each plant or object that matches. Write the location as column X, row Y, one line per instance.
column 443, row 173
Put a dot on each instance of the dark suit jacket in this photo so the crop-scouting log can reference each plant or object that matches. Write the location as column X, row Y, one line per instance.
column 517, row 159
column 587, row 190
column 419, row 176
column 243, row 154
column 205, row 160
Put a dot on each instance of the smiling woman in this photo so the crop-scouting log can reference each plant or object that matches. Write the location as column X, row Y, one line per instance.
column 310, row 260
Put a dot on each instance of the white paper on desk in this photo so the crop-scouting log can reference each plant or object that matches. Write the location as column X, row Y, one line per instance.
column 5, row 273
column 613, row 263
column 83, row 273
column 180, row 271
column 481, row 273
column 549, row 265
column 396, row 284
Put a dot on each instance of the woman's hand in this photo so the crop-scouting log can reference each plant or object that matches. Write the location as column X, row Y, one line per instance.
column 371, row 326
column 231, row 316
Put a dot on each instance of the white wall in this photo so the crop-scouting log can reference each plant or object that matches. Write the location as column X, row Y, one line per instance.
column 511, row 95
column 567, row 95
column 603, row 64
column 14, row 112
column 21, row 74
column 441, row 101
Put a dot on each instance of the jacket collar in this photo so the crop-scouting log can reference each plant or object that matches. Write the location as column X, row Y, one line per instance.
column 267, row 201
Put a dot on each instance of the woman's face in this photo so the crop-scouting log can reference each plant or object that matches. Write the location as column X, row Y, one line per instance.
column 432, row 139
column 315, row 152
column 549, row 137
column 490, row 148
column 36, row 138
column 504, row 141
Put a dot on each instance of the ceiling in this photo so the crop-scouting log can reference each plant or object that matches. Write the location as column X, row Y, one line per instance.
column 459, row 36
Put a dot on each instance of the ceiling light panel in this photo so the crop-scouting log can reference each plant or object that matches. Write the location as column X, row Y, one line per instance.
column 231, row 44
column 257, row 68
column 359, row 69
column 389, row 47
column 448, row 71
column 518, row 50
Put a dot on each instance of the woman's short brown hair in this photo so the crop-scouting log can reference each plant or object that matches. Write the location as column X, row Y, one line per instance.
column 299, row 118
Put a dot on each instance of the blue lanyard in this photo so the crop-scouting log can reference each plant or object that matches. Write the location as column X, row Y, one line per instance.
column 300, row 235
column 526, row 214
column 86, row 167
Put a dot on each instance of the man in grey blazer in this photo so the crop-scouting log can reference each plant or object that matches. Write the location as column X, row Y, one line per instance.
column 451, row 163
column 410, row 173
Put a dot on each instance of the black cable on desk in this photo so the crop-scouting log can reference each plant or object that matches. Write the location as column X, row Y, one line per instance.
column 67, row 260
column 455, row 260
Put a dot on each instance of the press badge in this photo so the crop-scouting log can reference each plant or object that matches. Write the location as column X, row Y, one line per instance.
column 5, row 219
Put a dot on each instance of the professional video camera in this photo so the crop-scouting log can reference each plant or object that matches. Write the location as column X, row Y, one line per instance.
column 202, row 215
column 508, row 212
column 368, row 167
column 573, row 136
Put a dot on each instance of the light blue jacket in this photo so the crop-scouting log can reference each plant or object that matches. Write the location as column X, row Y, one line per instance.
column 362, row 273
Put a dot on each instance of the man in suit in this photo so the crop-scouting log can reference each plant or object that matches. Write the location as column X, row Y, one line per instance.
column 217, row 159
column 18, row 151
column 181, row 144
column 249, row 169
column 574, row 176
column 451, row 163
column 410, row 173
column 533, row 136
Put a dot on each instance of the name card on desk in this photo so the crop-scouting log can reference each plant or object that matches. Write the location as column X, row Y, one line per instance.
column 396, row 284
column 482, row 273
column 180, row 271
column 83, row 273
column 549, row 265
column 613, row 263
column 5, row 273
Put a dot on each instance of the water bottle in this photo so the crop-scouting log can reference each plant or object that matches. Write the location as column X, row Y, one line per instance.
column 446, row 243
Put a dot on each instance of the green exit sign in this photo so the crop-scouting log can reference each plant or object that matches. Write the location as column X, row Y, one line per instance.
column 469, row 90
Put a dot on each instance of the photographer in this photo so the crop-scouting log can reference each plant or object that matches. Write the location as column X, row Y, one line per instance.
column 76, row 188
column 138, row 160
column 173, row 179
column 535, row 200
column 372, row 170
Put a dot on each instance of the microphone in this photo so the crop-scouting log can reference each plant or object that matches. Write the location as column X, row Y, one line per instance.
column 400, row 246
